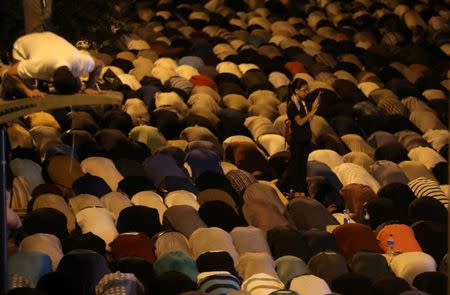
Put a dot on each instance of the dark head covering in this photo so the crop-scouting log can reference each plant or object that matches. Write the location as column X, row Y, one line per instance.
column 369, row 264
column 240, row 180
column 287, row 241
column 440, row 171
column 25, row 291
column 319, row 240
column 132, row 185
column 175, row 152
column 328, row 265
column 321, row 190
column 216, row 261
column 172, row 283
column 427, row 208
column 432, row 237
column 167, row 122
column 87, row 241
column 138, row 266
column 128, row 167
column 401, row 196
column 431, row 282
column 202, row 160
column 83, row 142
column 212, row 180
column 92, row 185
column 354, row 237
column 307, row 213
column 45, row 220
column 173, row 183
column 390, row 286
column 80, row 121
column 231, row 122
column 139, row 219
column 117, row 120
column 379, row 210
column 351, row 284
column 219, row 214
column 56, row 283
column 139, row 245
column 85, row 268
column 158, row 166
column 46, row 188
column 394, row 152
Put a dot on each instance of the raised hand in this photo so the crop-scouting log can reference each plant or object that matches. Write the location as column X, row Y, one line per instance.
column 316, row 103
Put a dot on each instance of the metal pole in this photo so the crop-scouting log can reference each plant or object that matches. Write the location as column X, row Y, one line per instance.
column 4, row 284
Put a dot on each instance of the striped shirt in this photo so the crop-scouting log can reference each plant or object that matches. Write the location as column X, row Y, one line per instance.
column 261, row 283
column 423, row 187
column 218, row 282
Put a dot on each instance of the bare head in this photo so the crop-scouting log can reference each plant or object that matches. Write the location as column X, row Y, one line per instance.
column 65, row 82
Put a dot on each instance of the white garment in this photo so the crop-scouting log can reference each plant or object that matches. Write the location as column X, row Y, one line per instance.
column 171, row 242
column 261, row 284
column 40, row 54
column 249, row 239
column 227, row 167
column 181, row 197
column 98, row 221
column 349, row 173
column 310, row 285
column 329, row 157
column 115, row 202
column 104, row 168
column 152, row 200
column 408, row 265
column 426, row 156
column 137, row 109
column 83, row 201
column 437, row 138
column 272, row 143
column 212, row 239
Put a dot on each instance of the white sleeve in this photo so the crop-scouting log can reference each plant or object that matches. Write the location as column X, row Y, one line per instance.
column 85, row 64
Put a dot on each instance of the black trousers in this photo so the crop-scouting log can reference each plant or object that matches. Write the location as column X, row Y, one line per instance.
column 294, row 177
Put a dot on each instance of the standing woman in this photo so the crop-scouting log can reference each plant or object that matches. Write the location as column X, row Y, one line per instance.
column 294, row 176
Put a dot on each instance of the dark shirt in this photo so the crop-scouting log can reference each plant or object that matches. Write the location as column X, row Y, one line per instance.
column 300, row 134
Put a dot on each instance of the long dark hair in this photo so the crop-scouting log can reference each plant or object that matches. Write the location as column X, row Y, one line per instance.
column 294, row 85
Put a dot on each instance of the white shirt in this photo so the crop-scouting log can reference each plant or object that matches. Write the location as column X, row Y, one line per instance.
column 98, row 221
column 152, row 200
column 40, row 54
column 349, row 173
column 104, row 168
column 425, row 155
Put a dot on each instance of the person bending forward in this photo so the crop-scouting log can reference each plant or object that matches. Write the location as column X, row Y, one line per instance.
column 48, row 57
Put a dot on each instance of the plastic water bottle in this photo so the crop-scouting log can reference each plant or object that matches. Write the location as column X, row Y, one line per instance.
column 346, row 216
column 391, row 244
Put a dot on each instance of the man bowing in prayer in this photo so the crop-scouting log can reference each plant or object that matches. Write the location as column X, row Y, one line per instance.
column 48, row 57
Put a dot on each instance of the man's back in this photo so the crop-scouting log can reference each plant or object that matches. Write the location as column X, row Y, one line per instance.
column 39, row 54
